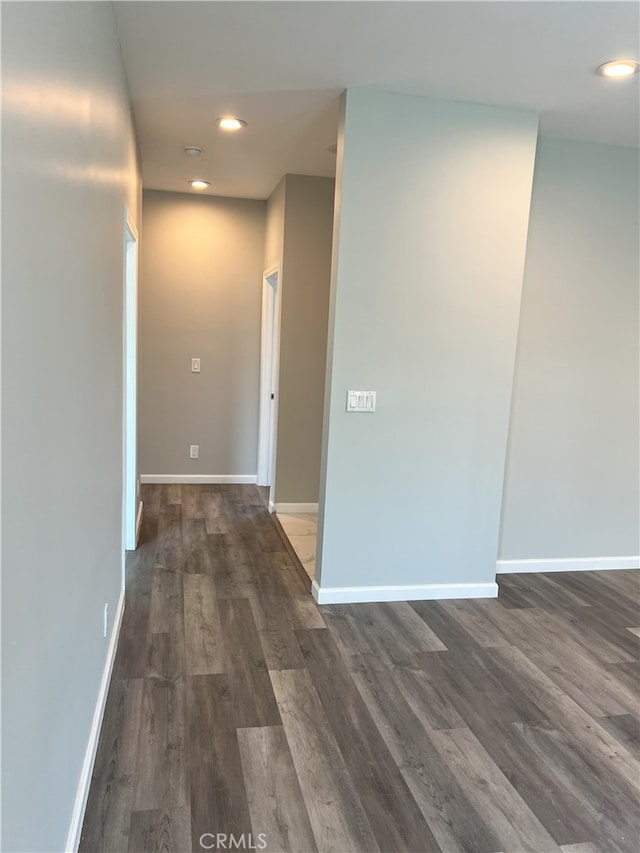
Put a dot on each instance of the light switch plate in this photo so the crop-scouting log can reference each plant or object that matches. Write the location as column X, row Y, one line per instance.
column 361, row 401
column 195, row 365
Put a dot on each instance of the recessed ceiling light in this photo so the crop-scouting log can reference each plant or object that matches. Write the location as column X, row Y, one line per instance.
column 200, row 185
column 192, row 151
column 229, row 123
column 618, row 68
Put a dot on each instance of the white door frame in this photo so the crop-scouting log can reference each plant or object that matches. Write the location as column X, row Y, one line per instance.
column 269, row 373
column 130, row 509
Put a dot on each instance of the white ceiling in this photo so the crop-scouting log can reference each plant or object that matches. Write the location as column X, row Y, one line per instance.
column 282, row 65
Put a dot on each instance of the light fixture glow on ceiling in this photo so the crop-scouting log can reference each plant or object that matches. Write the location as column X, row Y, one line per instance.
column 230, row 123
column 618, row 68
column 200, row 185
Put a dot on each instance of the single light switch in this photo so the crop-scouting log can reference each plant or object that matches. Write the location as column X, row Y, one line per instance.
column 195, row 365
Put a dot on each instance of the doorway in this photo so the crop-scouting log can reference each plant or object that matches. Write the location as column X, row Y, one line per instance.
column 131, row 509
column 269, row 361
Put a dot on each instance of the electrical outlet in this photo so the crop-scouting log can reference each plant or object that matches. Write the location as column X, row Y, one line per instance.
column 194, row 451
column 105, row 625
column 195, row 365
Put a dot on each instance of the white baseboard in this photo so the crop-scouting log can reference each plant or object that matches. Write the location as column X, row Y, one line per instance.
column 198, row 478
column 295, row 507
column 567, row 564
column 419, row 592
column 73, row 838
column 272, row 506
column 138, row 522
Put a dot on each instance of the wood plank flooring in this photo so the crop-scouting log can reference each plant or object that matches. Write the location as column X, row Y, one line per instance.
column 242, row 714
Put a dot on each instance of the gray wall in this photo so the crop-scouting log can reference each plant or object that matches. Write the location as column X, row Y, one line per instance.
column 571, row 485
column 426, row 285
column 305, row 284
column 68, row 167
column 200, row 296
column 274, row 228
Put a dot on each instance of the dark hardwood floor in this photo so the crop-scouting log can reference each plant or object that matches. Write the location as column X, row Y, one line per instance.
column 238, row 707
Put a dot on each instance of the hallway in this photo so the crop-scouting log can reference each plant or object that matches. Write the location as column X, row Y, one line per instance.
column 237, row 706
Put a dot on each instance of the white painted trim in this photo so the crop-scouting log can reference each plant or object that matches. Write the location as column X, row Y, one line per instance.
column 268, row 273
column 419, row 592
column 130, row 380
column 269, row 375
column 568, row 564
column 296, row 507
column 264, row 417
column 272, row 506
column 131, row 225
column 138, row 522
column 77, row 818
column 198, row 478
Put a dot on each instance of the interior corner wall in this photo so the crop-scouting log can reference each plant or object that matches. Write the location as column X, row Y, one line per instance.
column 434, row 204
column 571, row 483
column 69, row 166
column 200, row 297
column 274, row 228
column 304, row 286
